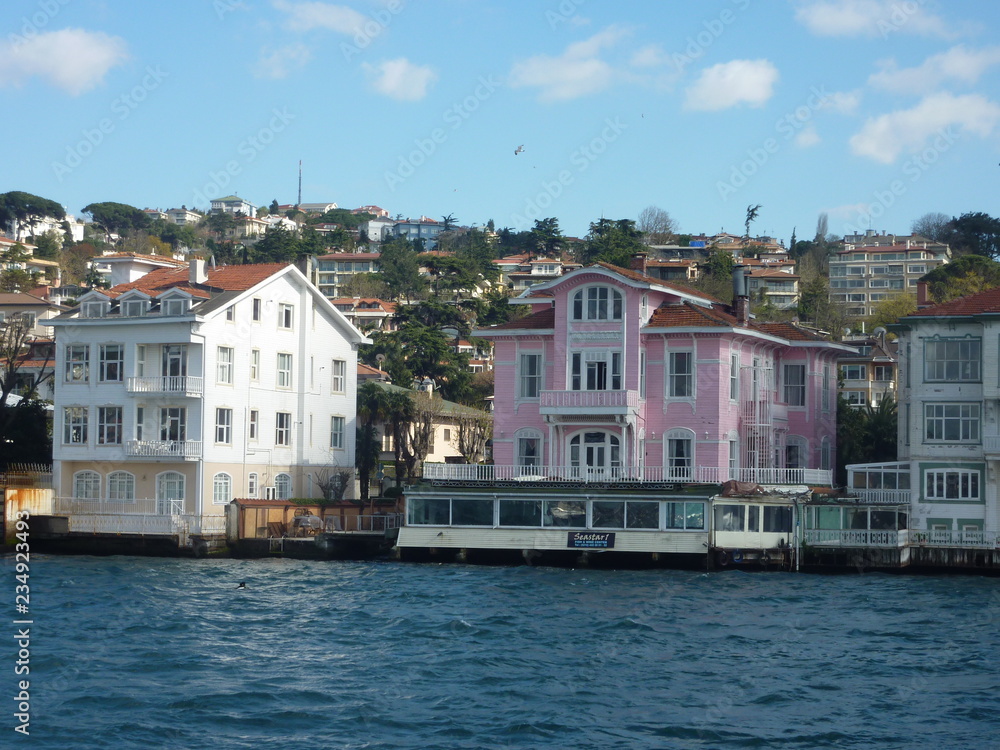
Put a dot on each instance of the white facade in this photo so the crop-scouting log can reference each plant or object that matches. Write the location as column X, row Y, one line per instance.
column 173, row 402
column 182, row 216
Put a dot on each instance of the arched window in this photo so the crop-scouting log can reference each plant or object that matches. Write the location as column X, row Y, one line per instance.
column 283, row 487
column 595, row 452
column 796, row 452
column 679, row 444
column 170, row 493
column 597, row 303
column 528, row 447
column 121, row 486
column 86, row 485
column 222, row 489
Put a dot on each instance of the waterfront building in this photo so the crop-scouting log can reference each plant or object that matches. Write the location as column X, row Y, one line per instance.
column 622, row 405
column 188, row 387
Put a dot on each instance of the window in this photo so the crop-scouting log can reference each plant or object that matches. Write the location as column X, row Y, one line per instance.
column 174, row 360
column 77, row 363
column 951, row 484
column 681, row 380
column 729, row 517
column 222, row 489
column 109, row 425
column 337, row 432
column 952, row 360
column 255, row 365
column 956, row 423
column 685, row 515
column 173, row 424
column 121, row 486
column 224, row 426
column 86, row 485
column 590, row 371
column 284, row 370
column 531, row 375
column 795, row 385
column 283, row 428
column 854, row 372
column 136, row 308
column 734, row 455
column 231, row 313
column 826, row 388
column 446, row 435
column 825, row 455
column 112, row 363
column 882, row 373
column 286, row 315
column 642, row 374
column 170, row 490
column 734, row 377
column 921, row 269
column 75, row 425
column 339, row 384
column 680, row 455
column 777, row 518
column 255, row 309
column 856, row 398
column 224, row 365
column 282, row 487
column 174, row 306
column 252, row 428
column 597, row 303
column 529, row 449
column 796, row 452
column 94, row 310
column 252, row 484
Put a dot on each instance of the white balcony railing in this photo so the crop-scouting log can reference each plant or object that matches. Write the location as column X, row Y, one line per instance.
column 956, row 538
column 991, row 443
column 186, row 384
column 700, row 474
column 579, row 400
column 884, row 497
column 893, row 538
column 139, row 516
column 163, row 448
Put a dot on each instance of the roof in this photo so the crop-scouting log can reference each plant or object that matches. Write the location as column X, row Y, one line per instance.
column 139, row 256
column 770, row 273
column 983, row 303
column 788, row 331
column 540, row 321
column 23, row 299
column 644, row 278
column 448, row 408
column 687, row 315
column 225, row 278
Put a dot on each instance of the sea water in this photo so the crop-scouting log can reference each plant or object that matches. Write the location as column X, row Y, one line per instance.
column 129, row 652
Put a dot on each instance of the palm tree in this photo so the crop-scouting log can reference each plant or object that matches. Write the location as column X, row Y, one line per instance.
column 448, row 221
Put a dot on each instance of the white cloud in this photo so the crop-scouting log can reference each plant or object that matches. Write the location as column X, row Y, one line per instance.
column 729, row 84
column 650, row 56
column 306, row 16
column 73, row 60
column 841, row 102
column 400, row 79
column 958, row 65
column 282, row 61
column 576, row 72
column 872, row 18
column 807, row 137
column 883, row 138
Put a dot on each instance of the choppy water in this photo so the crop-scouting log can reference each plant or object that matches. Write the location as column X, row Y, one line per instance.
column 140, row 652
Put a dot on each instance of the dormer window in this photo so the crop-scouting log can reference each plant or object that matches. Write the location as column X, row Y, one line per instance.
column 174, row 306
column 597, row 303
column 95, row 309
column 135, row 308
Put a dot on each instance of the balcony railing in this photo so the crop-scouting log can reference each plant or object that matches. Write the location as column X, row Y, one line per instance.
column 857, row 537
column 163, row 448
column 991, row 444
column 949, row 538
column 578, row 402
column 185, row 384
column 886, row 497
column 139, row 516
column 700, row 474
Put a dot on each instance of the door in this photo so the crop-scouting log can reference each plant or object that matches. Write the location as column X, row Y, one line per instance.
column 595, row 455
column 170, row 494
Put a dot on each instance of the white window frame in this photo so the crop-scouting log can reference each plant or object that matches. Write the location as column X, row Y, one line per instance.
column 282, row 486
column 937, row 481
column 86, row 485
column 283, row 428
column 253, row 425
column 680, row 382
column 968, row 417
column 734, row 376
column 286, row 316
column 77, row 363
column 337, row 432
column 109, row 429
column 121, row 487
column 225, row 356
column 679, row 467
column 223, row 425
column 75, row 425
column 116, row 365
column 284, row 371
column 255, row 365
column 529, row 378
column 222, row 489
column 941, row 365
column 253, row 484
column 255, row 305
column 339, row 376
column 598, row 303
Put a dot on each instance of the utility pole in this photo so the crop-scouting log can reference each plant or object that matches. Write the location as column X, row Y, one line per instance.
column 300, row 185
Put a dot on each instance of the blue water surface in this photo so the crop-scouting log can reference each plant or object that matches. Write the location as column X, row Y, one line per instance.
column 147, row 653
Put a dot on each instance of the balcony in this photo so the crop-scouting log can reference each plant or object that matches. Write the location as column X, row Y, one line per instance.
column 489, row 473
column 583, row 403
column 991, row 445
column 884, row 497
column 892, row 538
column 184, row 385
column 186, row 449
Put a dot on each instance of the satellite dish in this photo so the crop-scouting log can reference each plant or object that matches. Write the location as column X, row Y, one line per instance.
column 880, row 331
column 380, row 358
column 847, row 331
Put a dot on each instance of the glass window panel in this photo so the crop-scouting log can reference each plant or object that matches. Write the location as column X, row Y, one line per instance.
column 520, row 512
column 608, row 514
column 472, row 512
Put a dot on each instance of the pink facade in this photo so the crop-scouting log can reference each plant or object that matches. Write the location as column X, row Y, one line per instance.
column 618, row 375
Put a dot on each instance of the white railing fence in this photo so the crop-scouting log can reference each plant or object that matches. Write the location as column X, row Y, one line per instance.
column 857, row 537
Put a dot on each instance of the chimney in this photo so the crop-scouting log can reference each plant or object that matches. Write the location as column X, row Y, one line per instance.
column 196, row 271
column 639, row 262
column 922, row 299
column 741, row 300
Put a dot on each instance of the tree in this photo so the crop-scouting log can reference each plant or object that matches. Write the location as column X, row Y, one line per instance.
column 822, row 227
column 117, row 218
column 447, row 222
column 18, row 280
column 891, row 310
column 278, row 245
column 15, row 334
column 24, row 433
column 474, row 429
column 656, row 226
column 613, row 242
column 976, row 233
column 75, row 262
column 373, row 410
column 273, row 208
column 23, row 210
column 865, row 434
column 47, row 245
column 961, row 277
column 547, row 236
column 427, row 411
column 933, row 226
column 400, row 269
column 752, row 212
column 366, row 285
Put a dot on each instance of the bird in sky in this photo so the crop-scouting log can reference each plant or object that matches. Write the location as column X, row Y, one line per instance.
column 518, row 150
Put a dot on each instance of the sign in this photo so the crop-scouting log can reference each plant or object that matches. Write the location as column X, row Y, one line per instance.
column 590, row 540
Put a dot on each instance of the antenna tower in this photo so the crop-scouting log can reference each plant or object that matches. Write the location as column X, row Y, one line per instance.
column 300, row 185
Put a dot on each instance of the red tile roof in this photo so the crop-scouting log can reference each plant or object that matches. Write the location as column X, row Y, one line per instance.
column 686, row 314
column 226, row 278
column 975, row 304
column 542, row 320
column 788, row 331
column 636, row 276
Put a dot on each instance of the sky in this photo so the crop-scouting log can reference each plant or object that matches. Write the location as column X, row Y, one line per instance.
column 874, row 112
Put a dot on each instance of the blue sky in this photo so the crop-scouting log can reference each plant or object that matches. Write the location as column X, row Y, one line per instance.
column 873, row 111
